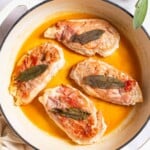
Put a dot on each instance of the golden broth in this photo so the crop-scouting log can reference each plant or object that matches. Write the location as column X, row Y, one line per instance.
column 123, row 59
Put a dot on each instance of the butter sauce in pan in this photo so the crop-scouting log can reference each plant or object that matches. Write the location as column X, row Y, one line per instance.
column 116, row 47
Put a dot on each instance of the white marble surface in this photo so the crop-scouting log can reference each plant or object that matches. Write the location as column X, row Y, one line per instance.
column 142, row 141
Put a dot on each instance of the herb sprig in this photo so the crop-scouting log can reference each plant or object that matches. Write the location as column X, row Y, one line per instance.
column 103, row 82
column 87, row 37
column 140, row 13
column 31, row 73
column 74, row 113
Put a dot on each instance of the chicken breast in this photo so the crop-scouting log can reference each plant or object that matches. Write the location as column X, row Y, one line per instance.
column 105, row 82
column 34, row 70
column 74, row 113
column 86, row 36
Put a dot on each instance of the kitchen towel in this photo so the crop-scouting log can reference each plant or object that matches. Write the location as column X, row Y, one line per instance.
column 8, row 139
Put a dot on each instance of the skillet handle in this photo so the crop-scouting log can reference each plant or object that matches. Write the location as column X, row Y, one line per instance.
column 13, row 4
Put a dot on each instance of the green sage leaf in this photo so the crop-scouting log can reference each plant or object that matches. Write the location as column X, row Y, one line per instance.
column 103, row 82
column 74, row 113
column 140, row 13
column 87, row 37
column 31, row 73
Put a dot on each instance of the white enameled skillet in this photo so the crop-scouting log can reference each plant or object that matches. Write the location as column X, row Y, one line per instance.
column 32, row 19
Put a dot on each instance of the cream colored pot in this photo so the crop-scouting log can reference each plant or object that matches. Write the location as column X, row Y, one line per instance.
column 139, row 39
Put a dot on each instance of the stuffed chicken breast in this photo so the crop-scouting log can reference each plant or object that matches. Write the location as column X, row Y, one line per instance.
column 86, row 36
column 74, row 113
column 105, row 82
column 34, row 70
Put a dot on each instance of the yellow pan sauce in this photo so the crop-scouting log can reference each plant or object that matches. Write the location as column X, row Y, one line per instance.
column 123, row 59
